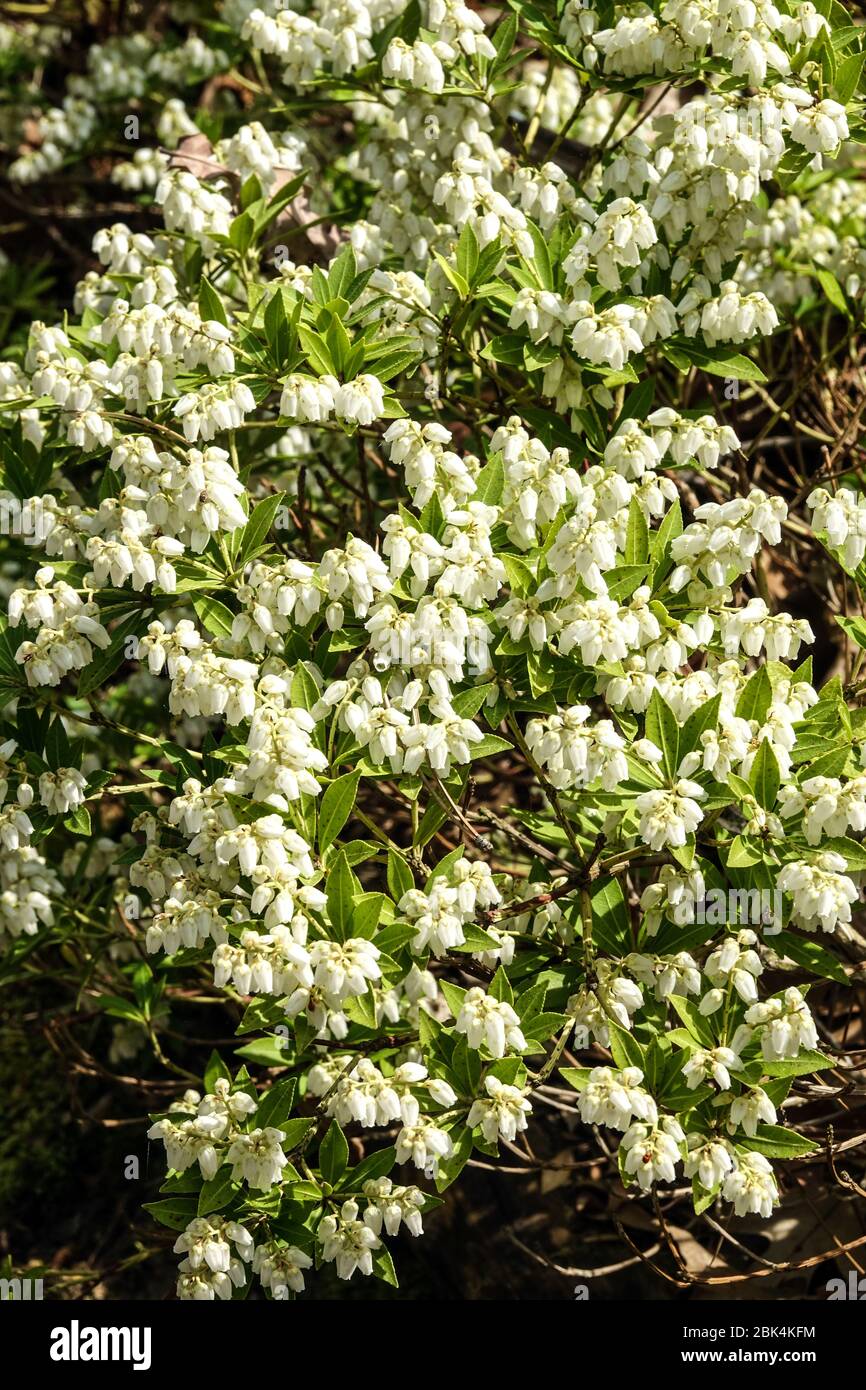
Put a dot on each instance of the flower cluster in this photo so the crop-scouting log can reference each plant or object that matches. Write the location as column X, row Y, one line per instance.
column 404, row 620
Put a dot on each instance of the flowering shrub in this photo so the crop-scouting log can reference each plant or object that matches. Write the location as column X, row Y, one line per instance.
column 390, row 653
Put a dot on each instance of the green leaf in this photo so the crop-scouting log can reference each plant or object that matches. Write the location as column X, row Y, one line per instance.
column 655, row 1064
column 662, row 729
column 386, row 367
column 174, row 1212
column 280, row 201
column 637, row 536
column 341, row 273
column 490, row 482
column 215, row 616
column 476, row 939
column 339, row 344
column 242, row 232
column 544, row 1025
column 366, row 911
column 671, row 527
column 361, row 1009
column 57, row 750
column 215, row 1070
column 812, row 956
column 611, row 924
column 466, row 1066
column 844, row 37
column 260, row 522
column 434, row 817
column 638, row 403
column 432, row 518
column 383, row 1267
column 505, row 347
column 833, row 292
column 701, row 1198
column 336, row 807
column 467, row 253
column 684, row 854
column 718, row 361
column 705, row 717
column 375, row 1165
column 624, row 1047
column 182, row 1184
column 855, row 628
column 11, row 674
column 578, row 1077
column 452, row 1167
column 508, row 1070
column 210, row 306
column 260, row 1014
column 676, row 1095
column 699, row 1028
column 776, row 1142
column 305, row 688
column 316, row 350
column 453, row 996
column 116, row 1007
column 275, row 1106
column 265, row 1052
column 393, row 937
column 333, row 1154
column 520, row 576
column 832, row 764
column 745, row 851
column 217, row 1192
column 469, row 702
column 488, row 745
column 803, row 1065
column 79, row 821
column 851, row 851
column 106, row 662
column 541, row 257
column 848, row 77
column 453, row 276
column 340, row 896
column 755, row 696
column 765, row 776
column 251, row 192
column 531, row 1001
column 400, row 878
column 622, row 582
column 500, row 987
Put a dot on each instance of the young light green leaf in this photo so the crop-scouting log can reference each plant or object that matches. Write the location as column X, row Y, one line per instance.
column 336, row 807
